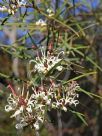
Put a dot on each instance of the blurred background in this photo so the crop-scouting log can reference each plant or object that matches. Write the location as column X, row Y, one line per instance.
column 17, row 37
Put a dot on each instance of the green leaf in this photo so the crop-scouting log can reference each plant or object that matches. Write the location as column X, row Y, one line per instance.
column 3, row 75
column 89, row 59
column 81, row 76
column 80, row 115
column 91, row 95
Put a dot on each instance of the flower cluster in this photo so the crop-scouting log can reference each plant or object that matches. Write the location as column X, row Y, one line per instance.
column 22, row 106
column 45, row 63
column 65, row 96
column 32, row 108
column 13, row 7
column 41, row 22
column 11, row 10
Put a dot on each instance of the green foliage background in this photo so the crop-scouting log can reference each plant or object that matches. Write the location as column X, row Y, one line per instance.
column 78, row 34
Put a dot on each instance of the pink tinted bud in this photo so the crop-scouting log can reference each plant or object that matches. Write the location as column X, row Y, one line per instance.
column 12, row 90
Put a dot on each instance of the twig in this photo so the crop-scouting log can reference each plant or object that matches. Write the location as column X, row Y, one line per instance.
column 59, row 123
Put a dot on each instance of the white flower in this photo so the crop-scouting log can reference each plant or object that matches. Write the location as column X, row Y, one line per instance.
column 41, row 22
column 48, row 102
column 19, row 104
column 21, row 125
column 53, row 105
column 71, row 95
column 67, row 96
column 8, row 108
column 40, row 119
column 33, row 109
column 36, row 125
column 50, row 12
column 64, row 108
column 45, row 63
column 59, row 68
column 17, row 112
column 12, row 103
column 46, row 98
